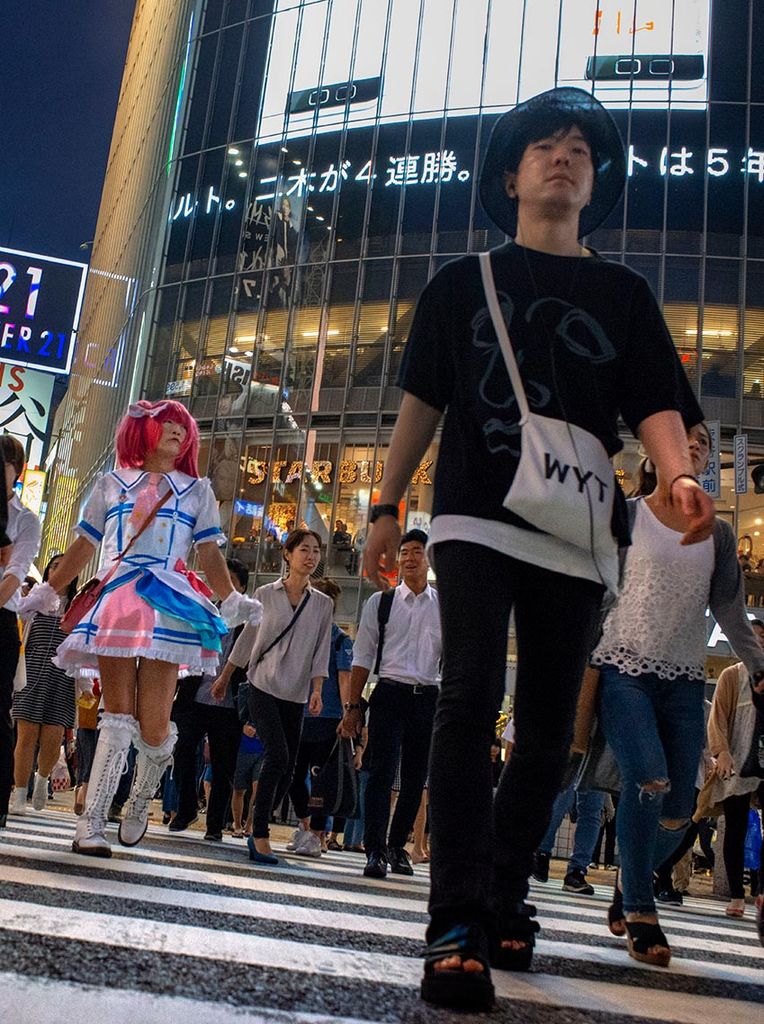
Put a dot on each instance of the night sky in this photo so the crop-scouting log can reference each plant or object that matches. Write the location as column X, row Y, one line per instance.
column 60, row 74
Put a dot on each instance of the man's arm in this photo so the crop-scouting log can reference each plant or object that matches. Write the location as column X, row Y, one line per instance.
column 351, row 723
column 414, row 430
column 665, row 440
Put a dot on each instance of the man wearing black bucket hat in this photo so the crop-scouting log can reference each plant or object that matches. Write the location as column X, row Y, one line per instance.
column 591, row 344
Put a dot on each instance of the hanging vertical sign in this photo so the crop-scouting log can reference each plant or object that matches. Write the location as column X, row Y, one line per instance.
column 740, row 449
column 710, row 480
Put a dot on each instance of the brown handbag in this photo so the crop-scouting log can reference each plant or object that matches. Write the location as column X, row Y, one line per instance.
column 86, row 597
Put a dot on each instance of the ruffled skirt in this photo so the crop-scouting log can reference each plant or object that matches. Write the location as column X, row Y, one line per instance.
column 146, row 614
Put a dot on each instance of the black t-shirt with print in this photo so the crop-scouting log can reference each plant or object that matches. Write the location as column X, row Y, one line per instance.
column 612, row 354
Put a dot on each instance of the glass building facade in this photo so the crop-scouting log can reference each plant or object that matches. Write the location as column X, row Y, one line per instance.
column 324, row 162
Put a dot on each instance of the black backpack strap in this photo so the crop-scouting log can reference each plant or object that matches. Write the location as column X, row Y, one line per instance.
column 383, row 616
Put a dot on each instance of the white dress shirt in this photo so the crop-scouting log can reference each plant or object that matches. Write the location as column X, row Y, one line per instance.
column 24, row 533
column 412, row 648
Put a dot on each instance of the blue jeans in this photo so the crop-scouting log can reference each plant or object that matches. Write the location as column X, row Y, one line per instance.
column 590, row 804
column 656, row 730
column 353, row 834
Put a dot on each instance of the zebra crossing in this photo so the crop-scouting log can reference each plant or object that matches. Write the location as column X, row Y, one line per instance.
column 186, row 930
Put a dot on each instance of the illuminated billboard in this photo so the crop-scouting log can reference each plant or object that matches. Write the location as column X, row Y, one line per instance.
column 435, row 58
column 40, row 303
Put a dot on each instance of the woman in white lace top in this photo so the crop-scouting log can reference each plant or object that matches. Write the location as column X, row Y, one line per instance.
column 652, row 655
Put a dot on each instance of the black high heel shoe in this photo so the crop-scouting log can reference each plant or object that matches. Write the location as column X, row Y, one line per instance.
column 616, row 918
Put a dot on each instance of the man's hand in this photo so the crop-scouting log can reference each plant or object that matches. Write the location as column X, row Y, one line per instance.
column 725, row 766
column 381, row 551
column 696, row 507
column 249, row 730
column 219, row 688
column 358, row 758
column 351, row 724
column 315, row 704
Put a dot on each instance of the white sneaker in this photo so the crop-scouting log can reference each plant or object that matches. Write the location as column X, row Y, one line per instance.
column 40, row 793
column 309, row 845
column 294, row 842
column 18, row 801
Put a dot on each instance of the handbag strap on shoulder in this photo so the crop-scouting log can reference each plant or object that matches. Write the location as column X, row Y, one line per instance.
column 500, row 327
column 144, row 526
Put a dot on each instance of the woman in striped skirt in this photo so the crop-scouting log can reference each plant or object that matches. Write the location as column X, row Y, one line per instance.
column 44, row 707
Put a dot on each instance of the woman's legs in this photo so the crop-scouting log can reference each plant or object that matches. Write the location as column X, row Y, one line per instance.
column 51, row 737
column 27, row 735
column 116, row 731
column 154, row 744
column 278, row 724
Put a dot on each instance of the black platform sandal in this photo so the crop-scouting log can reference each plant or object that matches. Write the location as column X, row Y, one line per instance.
column 641, row 937
column 516, row 925
column 616, row 918
column 455, row 987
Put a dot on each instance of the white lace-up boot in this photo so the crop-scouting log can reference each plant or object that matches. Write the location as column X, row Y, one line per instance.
column 150, row 766
column 115, row 734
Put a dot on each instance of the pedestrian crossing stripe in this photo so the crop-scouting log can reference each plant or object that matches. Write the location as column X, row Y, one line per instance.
column 330, row 895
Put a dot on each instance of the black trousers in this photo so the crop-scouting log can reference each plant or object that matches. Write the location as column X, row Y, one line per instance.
column 279, row 724
column 10, row 646
column 311, row 754
column 735, row 828
column 223, row 730
column 400, row 727
column 482, row 851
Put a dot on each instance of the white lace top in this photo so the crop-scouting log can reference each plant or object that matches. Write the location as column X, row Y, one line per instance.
column 658, row 624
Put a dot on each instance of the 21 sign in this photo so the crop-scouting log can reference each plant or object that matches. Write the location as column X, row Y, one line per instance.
column 40, row 303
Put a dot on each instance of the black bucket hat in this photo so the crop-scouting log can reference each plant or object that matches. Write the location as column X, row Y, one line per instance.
column 594, row 120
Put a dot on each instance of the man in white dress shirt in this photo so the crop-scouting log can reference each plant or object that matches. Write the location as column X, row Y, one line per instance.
column 23, row 531
column 401, row 707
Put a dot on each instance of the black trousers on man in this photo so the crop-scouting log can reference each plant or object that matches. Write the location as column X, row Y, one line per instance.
column 480, row 870
column 400, row 727
column 223, row 730
column 10, row 646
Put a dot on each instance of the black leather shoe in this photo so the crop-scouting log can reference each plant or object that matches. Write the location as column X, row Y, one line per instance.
column 376, row 866
column 214, row 837
column 180, row 824
column 3, row 820
column 400, row 862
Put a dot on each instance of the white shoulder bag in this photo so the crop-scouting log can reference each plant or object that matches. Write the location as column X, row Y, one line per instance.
column 565, row 483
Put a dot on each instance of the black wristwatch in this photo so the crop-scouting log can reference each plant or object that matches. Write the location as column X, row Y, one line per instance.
column 348, row 706
column 377, row 511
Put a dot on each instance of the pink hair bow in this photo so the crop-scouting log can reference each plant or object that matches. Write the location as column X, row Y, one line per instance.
column 137, row 411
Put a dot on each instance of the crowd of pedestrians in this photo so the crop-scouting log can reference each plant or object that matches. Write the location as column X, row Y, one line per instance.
column 390, row 740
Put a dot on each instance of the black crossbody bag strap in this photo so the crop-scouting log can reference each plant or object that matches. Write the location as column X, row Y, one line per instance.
column 383, row 615
column 284, row 631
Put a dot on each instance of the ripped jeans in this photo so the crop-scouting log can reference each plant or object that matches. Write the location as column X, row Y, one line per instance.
column 656, row 729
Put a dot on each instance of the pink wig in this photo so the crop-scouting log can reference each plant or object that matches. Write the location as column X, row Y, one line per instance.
column 140, row 430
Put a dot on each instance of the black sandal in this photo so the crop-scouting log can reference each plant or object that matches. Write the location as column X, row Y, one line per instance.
column 516, row 925
column 616, row 918
column 455, row 987
column 641, row 937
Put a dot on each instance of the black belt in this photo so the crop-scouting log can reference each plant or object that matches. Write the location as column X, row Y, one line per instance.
column 416, row 688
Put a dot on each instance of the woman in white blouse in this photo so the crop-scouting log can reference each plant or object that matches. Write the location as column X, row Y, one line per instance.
column 288, row 659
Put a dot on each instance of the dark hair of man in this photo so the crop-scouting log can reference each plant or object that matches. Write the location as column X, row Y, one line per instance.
column 13, row 452
column 296, row 537
column 414, row 537
column 239, row 570
column 757, row 622
column 328, row 587
column 558, row 123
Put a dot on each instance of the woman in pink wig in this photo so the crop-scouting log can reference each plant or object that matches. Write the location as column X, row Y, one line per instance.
column 153, row 615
